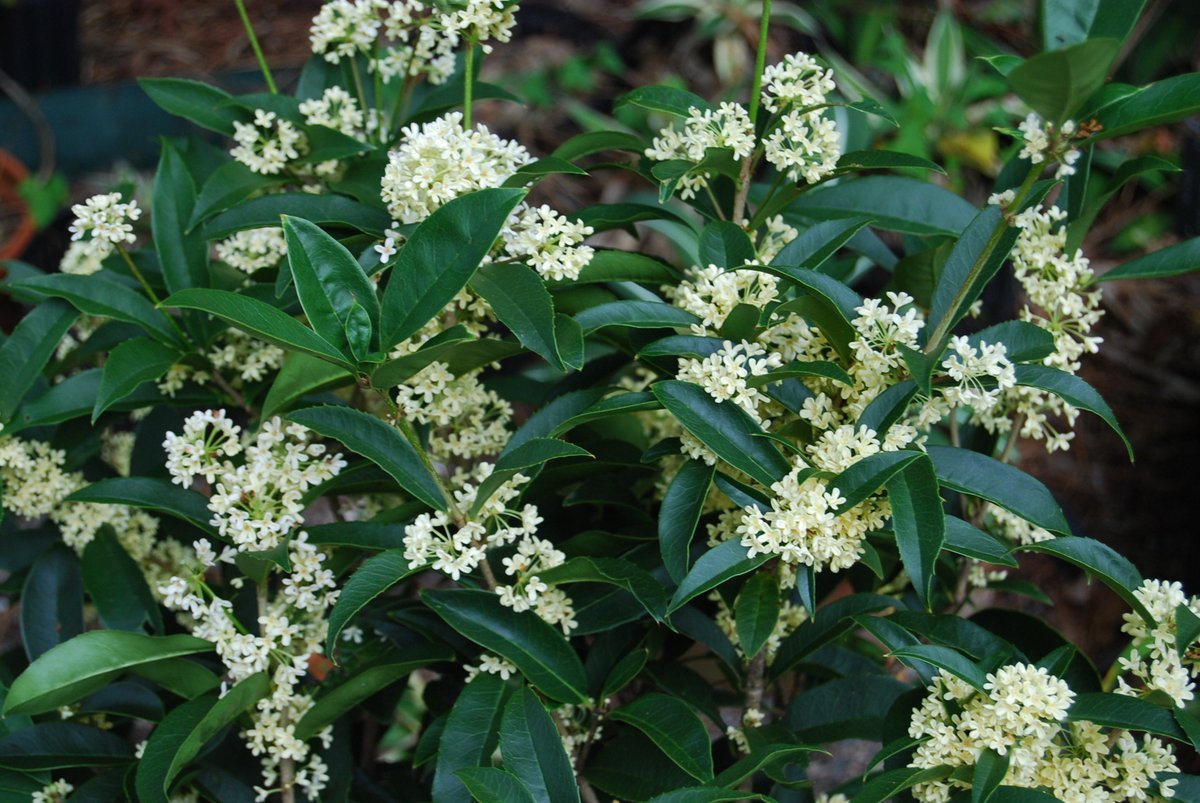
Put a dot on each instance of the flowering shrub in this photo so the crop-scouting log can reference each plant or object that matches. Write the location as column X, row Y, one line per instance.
column 363, row 473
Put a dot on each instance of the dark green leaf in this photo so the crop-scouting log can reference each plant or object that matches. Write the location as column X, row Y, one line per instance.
column 979, row 253
column 944, row 658
column 726, row 245
column 520, row 300
column 380, row 443
column 818, row 242
column 591, row 142
column 470, row 736
column 896, row 203
column 870, row 474
column 375, row 576
column 613, row 571
column 609, row 265
column 990, row 769
column 634, row 314
column 1074, row 391
column 51, row 602
column 201, row 103
column 919, row 522
column 259, row 319
column 323, row 210
column 96, row 295
column 533, row 750
column 1098, row 559
column 537, row 649
column 675, row 728
column 329, row 281
column 1068, row 22
column 1173, row 260
column 334, row 702
column 964, row 539
column 1162, row 102
column 151, row 494
column 129, row 365
column 1128, row 713
column 25, row 353
column 1187, row 628
column 756, row 612
column 76, row 668
column 300, row 375
column 669, row 99
column 117, row 586
column 183, row 256
column 1055, row 84
column 724, row 428
column 1010, row 488
column 62, row 745
column 493, row 785
column 887, row 785
column 440, row 257
column 230, row 184
column 680, row 514
column 1023, row 342
column 884, row 160
column 723, row 562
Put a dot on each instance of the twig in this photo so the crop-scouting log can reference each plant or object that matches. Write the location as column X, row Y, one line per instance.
column 258, row 53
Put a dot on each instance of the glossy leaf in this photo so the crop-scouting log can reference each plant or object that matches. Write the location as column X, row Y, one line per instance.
column 520, row 300
column 1023, row 342
column 150, row 494
column 723, row 562
column 1055, row 84
column 944, row 658
column 675, row 728
column 634, row 314
column 27, row 350
column 228, row 185
column 919, row 523
column 896, row 203
column 1074, row 391
column 868, row 475
column 470, row 736
column 440, row 257
column 51, row 601
column 129, row 365
column 375, row 576
column 669, row 99
column 544, row 657
column 1127, row 713
column 725, row 244
column 1010, row 488
column 493, row 785
column 756, row 612
column 1173, row 260
column 1097, row 559
column 96, row 295
column 1068, row 22
column 532, row 750
column 203, row 104
column 182, row 255
column 324, row 210
column 883, row 160
column 301, row 375
column 990, row 769
column 613, row 571
column 76, row 668
column 679, row 516
column 380, row 443
column 62, row 745
column 1165, row 101
column 117, row 585
column 965, row 539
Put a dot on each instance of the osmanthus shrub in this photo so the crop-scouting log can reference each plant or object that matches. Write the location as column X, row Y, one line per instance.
column 341, row 467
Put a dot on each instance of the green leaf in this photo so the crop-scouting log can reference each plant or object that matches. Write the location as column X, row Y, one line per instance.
column 1068, row 22
column 978, row 251
column 704, row 794
column 1127, row 713
column 1023, row 342
column 724, row 428
column 1019, row 794
column 117, row 586
column 668, row 99
column 887, row 785
column 301, row 375
column 740, row 770
column 617, row 404
column 818, row 242
column 376, row 575
column 1010, row 488
column 675, row 728
column 180, row 738
column 183, row 256
column 634, row 314
column 603, row 217
column 613, row 571
column 27, row 350
column 131, row 364
column 680, row 514
column 76, row 668
column 1097, row 559
column 443, row 345
column 204, row 105
column 180, row 676
column 1057, row 83
column 1187, row 628
column 520, row 300
column 870, row 474
column 591, row 142
column 1173, row 260
column 380, row 443
column 334, row 702
column 361, row 534
column 725, row 244
column 150, row 494
column 919, row 523
column 51, row 601
column 944, row 658
column 259, row 319
column 990, row 769
column 964, row 539
column 1074, row 391
column 529, row 455
column 884, row 160
column 818, row 368
column 533, row 750
column 440, row 257
column 228, row 185
column 624, row 673
column 96, row 295
column 470, row 736
column 608, row 265
column 542, row 654
column 329, row 280
column 723, row 562
column 62, row 745
column 493, row 785
column 324, row 210
column 896, row 203
column 756, row 612
column 536, row 171
column 1162, row 102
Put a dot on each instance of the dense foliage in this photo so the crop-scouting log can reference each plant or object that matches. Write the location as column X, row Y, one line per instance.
column 360, row 473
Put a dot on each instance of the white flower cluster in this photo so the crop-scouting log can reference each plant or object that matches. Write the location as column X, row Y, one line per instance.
column 291, row 628
column 267, row 144
column 245, row 356
column 711, row 293
column 804, row 146
column 727, row 126
column 85, row 257
column 724, row 374
column 551, row 243
column 1022, row 714
column 491, row 665
column 257, row 503
column 106, row 218
column 467, row 419
column 1154, row 657
column 338, row 109
column 798, row 80
column 440, row 160
column 776, row 234
column 806, row 526
column 1046, row 143
column 253, row 250
column 456, row 545
column 345, row 28
column 971, row 367
column 55, row 792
